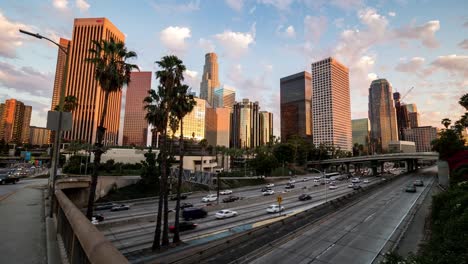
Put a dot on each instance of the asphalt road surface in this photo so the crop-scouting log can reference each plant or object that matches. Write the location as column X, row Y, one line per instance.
column 8, row 189
column 355, row 234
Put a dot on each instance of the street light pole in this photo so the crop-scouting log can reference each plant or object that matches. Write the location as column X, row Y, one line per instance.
column 58, row 134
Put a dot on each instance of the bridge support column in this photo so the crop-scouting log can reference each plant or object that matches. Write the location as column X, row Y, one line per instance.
column 382, row 167
column 374, row 165
column 347, row 167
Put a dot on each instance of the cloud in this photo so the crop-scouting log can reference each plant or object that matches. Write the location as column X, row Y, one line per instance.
column 10, row 38
column 235, row 4
column 281, row 5
column 60, row 4
column 252, row 9
column 207, row 45
column 454, row 64
column 314, row 27
column 82, row 5
column 236, row 44
column 392, row 14
column 288, row 32
column 414, row 65
column 463, row 44
column 192, row 79
column 347, row 4
column 26, row 79
column 174, row 38
column 425, row 33
column 171, row 7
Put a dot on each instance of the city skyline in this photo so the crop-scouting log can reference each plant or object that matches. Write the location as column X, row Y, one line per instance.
column 358, row 34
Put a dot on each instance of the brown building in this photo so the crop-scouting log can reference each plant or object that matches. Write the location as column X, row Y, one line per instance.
column 82, row 84
column 296, row 105
column 210, row 79
column 39, row 136
column 421, row 136
column 135, row 127
column 266, row 127
column 245, row 128
column 60, row 67
column 331, row 104
column 14, row 121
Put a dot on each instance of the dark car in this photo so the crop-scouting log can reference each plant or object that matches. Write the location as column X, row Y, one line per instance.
column 357, row 187
column 193, row 213
column 304, row 197
column 99, row 217
column 8, row 177
column 289, row 186
column 120, row 207
column 410, row 188
column 418, row 183
column 264, row 189
column 185, row 205
column 182, row 197
column 183, row 226
column 230, row 199
column 104, row 206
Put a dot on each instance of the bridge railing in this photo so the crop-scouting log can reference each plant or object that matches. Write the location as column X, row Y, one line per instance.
column 83, row 242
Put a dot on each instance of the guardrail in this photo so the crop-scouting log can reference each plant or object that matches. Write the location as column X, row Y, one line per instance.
column 82, row 242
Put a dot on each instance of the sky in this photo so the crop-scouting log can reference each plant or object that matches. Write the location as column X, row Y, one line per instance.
column 412, row 43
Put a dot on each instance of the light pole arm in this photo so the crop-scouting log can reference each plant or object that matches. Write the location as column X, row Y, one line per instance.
column 39, row 36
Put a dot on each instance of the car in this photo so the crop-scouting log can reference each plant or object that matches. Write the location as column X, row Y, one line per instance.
column 225, row 192
column 185, row 205
column 210, row 198
column 268, row 192
column 104, row 206
column 355, row 180
column 332, row 187
column 120, row 207
column 292, row 181
column 264, row 189
column 333, row 182
column 183, row 226
column 274, row 208
column 410, row 188
column 305, row 179
column 357, row 187
column 8, row 177
column 316, row 182
column 286, row 191
column 182, row 197
column 351, row 185
column 270, row 185
column 418, row 183
column 226, row 213
column 304, row 197
column 193, row 213
column 230, row 199
column 98, row 217
column 366, row 181
column 289, row 186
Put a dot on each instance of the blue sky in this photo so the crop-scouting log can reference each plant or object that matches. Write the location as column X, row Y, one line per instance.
column 412, row 43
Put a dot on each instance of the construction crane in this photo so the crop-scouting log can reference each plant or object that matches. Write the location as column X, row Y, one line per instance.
column 401, row 99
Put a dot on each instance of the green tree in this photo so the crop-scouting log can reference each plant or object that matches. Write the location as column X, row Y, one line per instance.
column 448, row 143
column 149, row 171
column 446, row 122
column 70, row 103
column 464, row 101
column 112, row 72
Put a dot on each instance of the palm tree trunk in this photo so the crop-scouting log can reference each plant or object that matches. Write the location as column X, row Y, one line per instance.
column 176, row 238
column 157, row 232
column 97, row 158
column 165, row 234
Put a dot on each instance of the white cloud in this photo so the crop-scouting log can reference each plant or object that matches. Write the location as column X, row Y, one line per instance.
column 454, row 64
column 347, row 4
column 191, row 78
column 414, row 65
column 10, row 38
column 281, row 5
column 392, row 14
column 82, row 5
column 463, row 44
column 173, row 38
column 290, row 32
column 236, row 44
column 314, row 27
column 207, row 45
column 235, row 4
column 425, row 33
column 60, row 4
column 171, row 7
column 25, row 79
column 252, row 9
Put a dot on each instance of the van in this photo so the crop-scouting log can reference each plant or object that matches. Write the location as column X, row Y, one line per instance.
column 193, row 213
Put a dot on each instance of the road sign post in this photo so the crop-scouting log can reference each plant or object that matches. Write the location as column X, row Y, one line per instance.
column 279, row 199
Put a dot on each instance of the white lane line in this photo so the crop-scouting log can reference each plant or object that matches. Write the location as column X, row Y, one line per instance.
column 367, row 218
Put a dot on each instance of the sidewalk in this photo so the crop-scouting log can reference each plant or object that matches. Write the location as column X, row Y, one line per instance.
column 22, row 227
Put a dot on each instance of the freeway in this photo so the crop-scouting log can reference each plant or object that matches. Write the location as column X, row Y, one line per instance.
column 355, row 234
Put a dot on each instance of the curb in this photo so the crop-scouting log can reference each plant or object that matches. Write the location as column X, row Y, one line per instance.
column 53, row 253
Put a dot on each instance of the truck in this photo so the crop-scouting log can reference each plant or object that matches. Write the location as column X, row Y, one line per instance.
column 7, row 176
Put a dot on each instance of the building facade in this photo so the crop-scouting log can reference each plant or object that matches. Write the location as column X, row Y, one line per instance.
column 14, row 116
column 266, row 127
column 331, row 105
column 413, row 115
column 245, row 125
column 296, row 105
column 39, row 136
column 210, row 79
column 422, row 137
column 401, row 115
column 82, row 84
column 361, row 131
column 194, row 122
column 382, row 115
column 135, row 128
column 218, row 126
column 59, row 71
column 401, row 147
column 224, row 97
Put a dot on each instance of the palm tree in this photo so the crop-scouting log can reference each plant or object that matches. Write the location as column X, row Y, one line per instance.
column 112, row 72
column 184, row 105
column 464, row 101
column 446, row 122
column 70, row 103
column 203, row 144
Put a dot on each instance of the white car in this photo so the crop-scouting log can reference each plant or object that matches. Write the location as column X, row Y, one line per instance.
column 270, row 185
column 332, row 187
column 268, row 192
column 350, row 185
column 225, row 192
column 274, row 208
column 366, row 181
column 210, row 198
column 355, row 180
column 305, row 179
column 292, row 181
column 225, row 214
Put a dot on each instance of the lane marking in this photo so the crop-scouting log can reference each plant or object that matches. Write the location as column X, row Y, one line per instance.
column 367, row 218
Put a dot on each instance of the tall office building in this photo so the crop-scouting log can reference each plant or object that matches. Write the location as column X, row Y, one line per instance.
column 194, row 122
column 14, row 116
column 82, row 84
column 382, row 115
column 59, row 69
column 265, row 127
column 413, row 115
column 39, row 136
column 135, row 126
column 361, row 130
column 218, row 126
column 401, row 115
column 422, row 137
column 210, row 78
column 224, row 97
column 296, row 105
column 245, row 125
column 331, row 106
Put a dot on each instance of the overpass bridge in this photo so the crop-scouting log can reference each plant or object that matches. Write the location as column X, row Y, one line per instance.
column 410, row 159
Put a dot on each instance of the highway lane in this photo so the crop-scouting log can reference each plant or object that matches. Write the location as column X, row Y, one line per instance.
column 352, row 235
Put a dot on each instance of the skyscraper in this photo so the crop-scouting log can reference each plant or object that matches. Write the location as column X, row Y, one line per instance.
column 135, row 127
column 194, row 122
column 59, row 68
column 245, row 125
column 224, row 97
column 296, row 105
column 413, row 115
column 14, row 115
column 382, row 115
column 331, row 104
column 422, row 137
column 401, row 115
column 217, row 126
column 266, row 127
column 210, row 78
column 39, row 136
column 82, row 84
column 361, row 129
